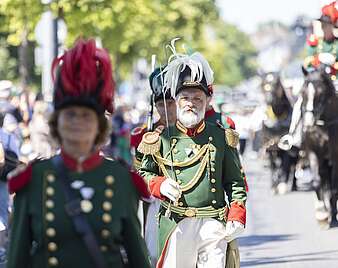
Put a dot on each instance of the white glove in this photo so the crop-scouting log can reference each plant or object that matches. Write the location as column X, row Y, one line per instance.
column 232, row 230
column 170, row 189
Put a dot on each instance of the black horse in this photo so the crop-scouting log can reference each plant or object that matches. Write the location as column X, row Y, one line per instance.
column 320, row 132
column 279, row 111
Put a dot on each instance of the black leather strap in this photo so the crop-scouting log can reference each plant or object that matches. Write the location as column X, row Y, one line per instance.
column 73, row 210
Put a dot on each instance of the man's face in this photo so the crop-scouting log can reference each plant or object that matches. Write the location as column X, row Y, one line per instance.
column 191, row 105
column 171, row 110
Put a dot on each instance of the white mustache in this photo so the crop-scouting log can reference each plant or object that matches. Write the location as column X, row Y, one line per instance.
column 188, row 109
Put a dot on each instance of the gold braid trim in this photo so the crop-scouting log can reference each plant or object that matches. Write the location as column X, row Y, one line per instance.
column 197, row 175
column 188, row 162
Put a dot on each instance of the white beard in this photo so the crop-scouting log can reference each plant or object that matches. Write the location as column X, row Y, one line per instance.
column 190, row 119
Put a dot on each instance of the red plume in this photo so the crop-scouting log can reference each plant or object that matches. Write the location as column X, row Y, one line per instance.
column 82, row 70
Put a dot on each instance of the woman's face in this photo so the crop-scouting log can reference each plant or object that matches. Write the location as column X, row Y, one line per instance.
column 78, row 124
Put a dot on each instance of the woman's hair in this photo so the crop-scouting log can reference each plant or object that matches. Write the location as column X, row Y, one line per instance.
column 103, row 124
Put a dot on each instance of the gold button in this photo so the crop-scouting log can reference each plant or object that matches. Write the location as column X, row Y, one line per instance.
column 175, row 151
column 105, row 233
column 86, row 206
column 50, row 191
column 210, row 138
column 109, row 193
column 177, row 171
column 52, row 246
column 213, row 190
column 103, row 248
column 50, row 178
column 180, row 204
column 53, row 261
column 50, row 216
column 213, row 180
column 212, row 169
column 214, row 201
column 106, row 218
column 190, row 213
column 110, row 180
column 106, row 206
column 49, row 203
column 50, row 232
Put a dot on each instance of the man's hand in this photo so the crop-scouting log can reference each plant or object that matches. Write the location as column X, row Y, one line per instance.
column 170, row 188
column 232, row 230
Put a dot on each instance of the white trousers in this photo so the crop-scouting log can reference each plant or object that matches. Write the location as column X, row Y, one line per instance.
column 151, row 231
column 196, row 243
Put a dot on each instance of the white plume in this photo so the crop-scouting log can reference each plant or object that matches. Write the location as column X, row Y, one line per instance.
column 177, row 62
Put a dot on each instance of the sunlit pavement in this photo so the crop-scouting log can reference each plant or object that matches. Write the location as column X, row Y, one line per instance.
column 281, row 230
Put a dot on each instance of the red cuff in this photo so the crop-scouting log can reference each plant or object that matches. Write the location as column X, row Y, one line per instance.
column 140, row 185
column 154, row 186
column 237, row 212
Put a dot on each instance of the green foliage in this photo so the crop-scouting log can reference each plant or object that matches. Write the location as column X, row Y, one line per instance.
column 19, row 16
column 8, row 64
column 139, row 28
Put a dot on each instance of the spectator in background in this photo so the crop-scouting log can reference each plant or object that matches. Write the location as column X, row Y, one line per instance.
column 41, row 142
column 9, row 150
column 11, row 115
column 242, row 127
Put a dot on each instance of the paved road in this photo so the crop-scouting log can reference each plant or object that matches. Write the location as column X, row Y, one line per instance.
column 281, row 230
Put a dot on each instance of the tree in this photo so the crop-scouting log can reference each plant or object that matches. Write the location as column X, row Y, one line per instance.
column 139, row 28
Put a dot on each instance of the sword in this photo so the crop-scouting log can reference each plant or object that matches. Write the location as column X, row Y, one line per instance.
column 168, row 211
column 150, row 122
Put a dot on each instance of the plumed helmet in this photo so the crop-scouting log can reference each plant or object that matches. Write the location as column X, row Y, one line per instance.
column 186, row 80
column 83, row 76
column 187, row 71
column 156, row 84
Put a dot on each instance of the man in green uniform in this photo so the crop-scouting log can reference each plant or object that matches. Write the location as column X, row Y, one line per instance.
column 190, row 167
column 166, row 108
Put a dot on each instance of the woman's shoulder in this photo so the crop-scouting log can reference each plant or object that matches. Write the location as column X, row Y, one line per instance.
column 21, row 176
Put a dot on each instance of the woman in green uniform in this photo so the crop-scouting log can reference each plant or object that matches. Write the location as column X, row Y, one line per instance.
column 78, row 209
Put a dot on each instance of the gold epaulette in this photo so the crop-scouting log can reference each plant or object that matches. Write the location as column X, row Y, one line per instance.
column 150, row 143
column 232, row 137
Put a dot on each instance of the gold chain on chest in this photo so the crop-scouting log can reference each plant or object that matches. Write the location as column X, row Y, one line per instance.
column 203, row 153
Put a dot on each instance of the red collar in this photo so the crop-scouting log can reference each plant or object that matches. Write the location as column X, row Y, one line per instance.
column 87, row 164
column 210, row 112
column 191, row 132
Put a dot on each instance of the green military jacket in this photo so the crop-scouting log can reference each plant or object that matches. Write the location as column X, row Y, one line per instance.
column 204, row 166
column 42, row 233
column 226, row 122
